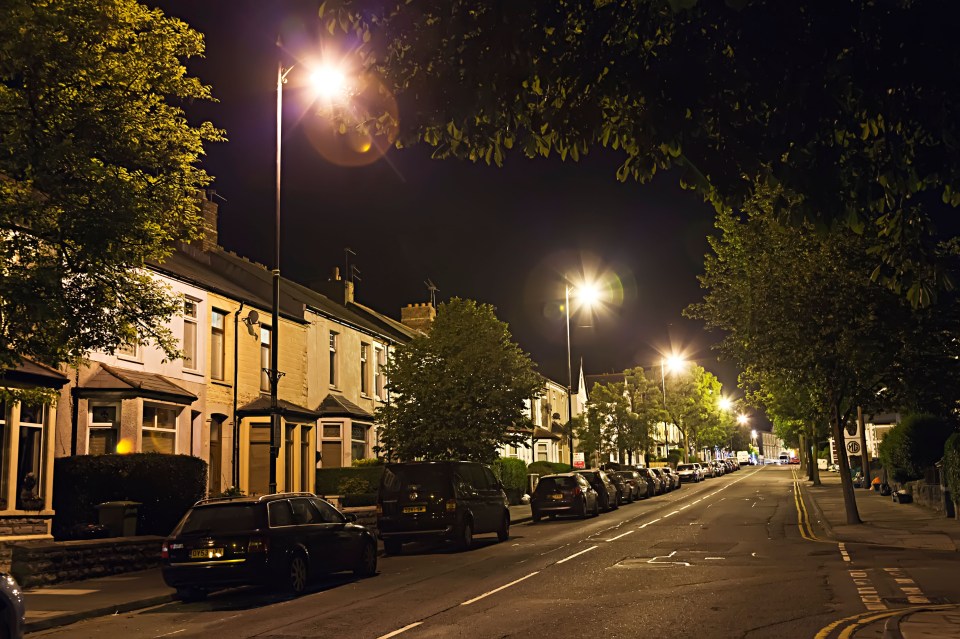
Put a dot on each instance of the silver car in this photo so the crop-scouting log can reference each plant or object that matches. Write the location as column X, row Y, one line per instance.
column 12, row 610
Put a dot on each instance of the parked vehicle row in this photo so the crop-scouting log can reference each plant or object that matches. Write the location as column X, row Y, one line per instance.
column 697, row 471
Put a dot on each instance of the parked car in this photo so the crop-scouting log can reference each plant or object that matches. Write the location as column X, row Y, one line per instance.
column 452, row 500
column 689, row 473
column 719, row 467
column 283, row 540
column 564, row 494
column 606, row 489
column 665, row 486
column 707, row 469
column 654, row 485
column 671, row 475
column 12, row 610
column 624, row 492
column 638, row 484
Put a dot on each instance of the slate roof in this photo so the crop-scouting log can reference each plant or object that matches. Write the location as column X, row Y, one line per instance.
column 31, row 373
column 336, row 405
column 261, row 407
column 127, row 383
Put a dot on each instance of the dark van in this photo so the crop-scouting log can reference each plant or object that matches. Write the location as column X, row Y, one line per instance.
column 440, row 500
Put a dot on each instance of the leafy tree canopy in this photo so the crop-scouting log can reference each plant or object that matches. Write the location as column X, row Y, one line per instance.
column 692, row 403
column 843, row 104
column 98, row 172
column 459, row 391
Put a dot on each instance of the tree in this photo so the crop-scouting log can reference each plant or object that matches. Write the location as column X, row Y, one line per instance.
column 800, row 306
column 608, row 414
column 646, row 404
column 692, row 403
column 458, row 392
column 837, row 103
column 98, row 173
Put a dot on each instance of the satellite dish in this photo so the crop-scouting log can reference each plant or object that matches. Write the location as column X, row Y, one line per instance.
column 253, row 317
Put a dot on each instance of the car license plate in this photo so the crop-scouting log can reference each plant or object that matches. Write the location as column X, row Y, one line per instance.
column 556, row 497
column 206, row 553
column 414, row 509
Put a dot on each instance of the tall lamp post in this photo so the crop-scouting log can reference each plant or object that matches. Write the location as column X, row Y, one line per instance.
column 589, row 295
column 674, row 363
column 330, row 82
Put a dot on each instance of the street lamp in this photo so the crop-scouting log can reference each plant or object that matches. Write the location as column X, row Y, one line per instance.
column 589, row 295
column 329, row 82
column 675, row 363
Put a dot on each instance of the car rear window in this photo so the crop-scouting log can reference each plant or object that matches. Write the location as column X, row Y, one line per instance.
column 426, row 476
column 220, row 518
column 685, row 467
column 556, row 483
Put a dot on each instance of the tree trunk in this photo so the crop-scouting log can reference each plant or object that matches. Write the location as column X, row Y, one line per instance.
column 846, row 482
column 814, row 467
column 865, row 454
column 804, row 453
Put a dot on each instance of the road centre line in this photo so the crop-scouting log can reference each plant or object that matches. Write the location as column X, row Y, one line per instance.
column 577, row 554
column 651, row 522
column 623, row 535
column 397, row 632
column 671, row 513
column 505, row 586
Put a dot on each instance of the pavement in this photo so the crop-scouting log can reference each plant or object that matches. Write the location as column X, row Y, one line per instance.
column 886, row 523
column 66, row 603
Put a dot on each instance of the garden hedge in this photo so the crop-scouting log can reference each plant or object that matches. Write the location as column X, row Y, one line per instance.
column 166, row 486
column 913, row 445
column 547, row 468
column 357, row 480
column 951, row 466
column 512, row 472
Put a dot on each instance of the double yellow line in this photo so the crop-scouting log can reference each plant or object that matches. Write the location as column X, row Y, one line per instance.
column 864, row 618
column 803, row 519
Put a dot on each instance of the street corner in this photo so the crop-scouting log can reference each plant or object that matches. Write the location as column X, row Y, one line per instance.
column 918, row 622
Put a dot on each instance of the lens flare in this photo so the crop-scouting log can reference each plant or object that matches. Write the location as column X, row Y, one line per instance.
column 124, row 447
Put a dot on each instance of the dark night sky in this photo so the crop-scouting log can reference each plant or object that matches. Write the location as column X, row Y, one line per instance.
column 503, row 236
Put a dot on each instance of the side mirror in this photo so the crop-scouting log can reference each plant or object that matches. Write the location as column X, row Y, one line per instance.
column 351, row 517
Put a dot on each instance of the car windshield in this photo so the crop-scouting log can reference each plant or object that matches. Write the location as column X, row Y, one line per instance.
column 556, row 483
column 685, row 467
column 397, row 477
column 219, row 518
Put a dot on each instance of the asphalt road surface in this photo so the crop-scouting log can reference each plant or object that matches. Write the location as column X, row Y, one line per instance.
column 735, row 556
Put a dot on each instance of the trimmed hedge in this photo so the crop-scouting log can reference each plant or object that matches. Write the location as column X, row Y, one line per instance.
column 330, row 481
column 548, row 468
column 512, row 472
column 951, row 466
column 165, row 485
column 914, row 445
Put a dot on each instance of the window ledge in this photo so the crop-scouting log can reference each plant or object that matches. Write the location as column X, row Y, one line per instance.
column 220, row 382
column 193, row 371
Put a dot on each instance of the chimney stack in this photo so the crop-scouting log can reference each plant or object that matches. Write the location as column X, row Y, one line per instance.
column 210, row 211
column 419, row 317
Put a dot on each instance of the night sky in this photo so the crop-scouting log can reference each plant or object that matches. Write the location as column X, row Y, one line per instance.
column 504, row 236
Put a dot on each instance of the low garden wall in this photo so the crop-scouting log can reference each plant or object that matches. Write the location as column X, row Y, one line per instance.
column 45, row 562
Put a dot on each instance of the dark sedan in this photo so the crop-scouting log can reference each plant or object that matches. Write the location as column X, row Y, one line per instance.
column 564, row 494
column 606, row 489
column 639, row 487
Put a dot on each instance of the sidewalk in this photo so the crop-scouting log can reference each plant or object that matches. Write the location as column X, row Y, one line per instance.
column 890, row 524
column 67, row 603
column 885, row 522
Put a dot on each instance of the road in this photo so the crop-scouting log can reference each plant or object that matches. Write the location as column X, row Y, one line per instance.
column 729, row 557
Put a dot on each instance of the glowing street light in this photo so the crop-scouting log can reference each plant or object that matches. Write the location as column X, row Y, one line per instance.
column 588, row 295
column 725, row 404
column 742, row 419
column 676, row 364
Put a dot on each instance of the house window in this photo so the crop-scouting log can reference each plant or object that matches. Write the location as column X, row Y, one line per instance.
column 334, row 338
column 128, row 350
column 190, row 334
column 3, row 454
column 159, row 430
column 288, row 458
column 265, row 341
column 364, row 383
column 30, row 475
column 331, row 448
column 308, row 465
column 379, row 379
column 358, row 441
column 104, row 430
column 217, row 345
column 541, row 452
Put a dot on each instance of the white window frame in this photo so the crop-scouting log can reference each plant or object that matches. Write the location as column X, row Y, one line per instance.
column 365, row 441
column 266, row 356
column 334, row 359
column 379, row 378
column 136, row 354
column 191, row 323
column 176, row 419
column 92, row 425
column 365, row 369
column 221, row 356
column 41, row 474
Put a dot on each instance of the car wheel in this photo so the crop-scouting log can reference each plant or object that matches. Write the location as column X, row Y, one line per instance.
column 503, row 533
column 466, row 536
column 367, row 563
column 536, row 517
column 187, row 595
column 392, row 546
column 298, row 572
column 582, row 509
column 596, row 507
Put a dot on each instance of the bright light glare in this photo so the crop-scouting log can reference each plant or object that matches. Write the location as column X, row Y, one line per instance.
column 588, row 295
column 675, row 363
column 743, row 419
column 724, row 403
column 753, row 434
column 329, row 82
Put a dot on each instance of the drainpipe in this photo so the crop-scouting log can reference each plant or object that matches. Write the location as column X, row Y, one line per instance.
column 236, row 429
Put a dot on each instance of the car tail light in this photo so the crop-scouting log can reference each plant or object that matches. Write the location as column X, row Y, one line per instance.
column 451, row 505
column 165, row 551
column 258, row 544
column 577, row 492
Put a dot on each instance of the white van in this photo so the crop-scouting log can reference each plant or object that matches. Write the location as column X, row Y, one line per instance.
column 784, row 459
